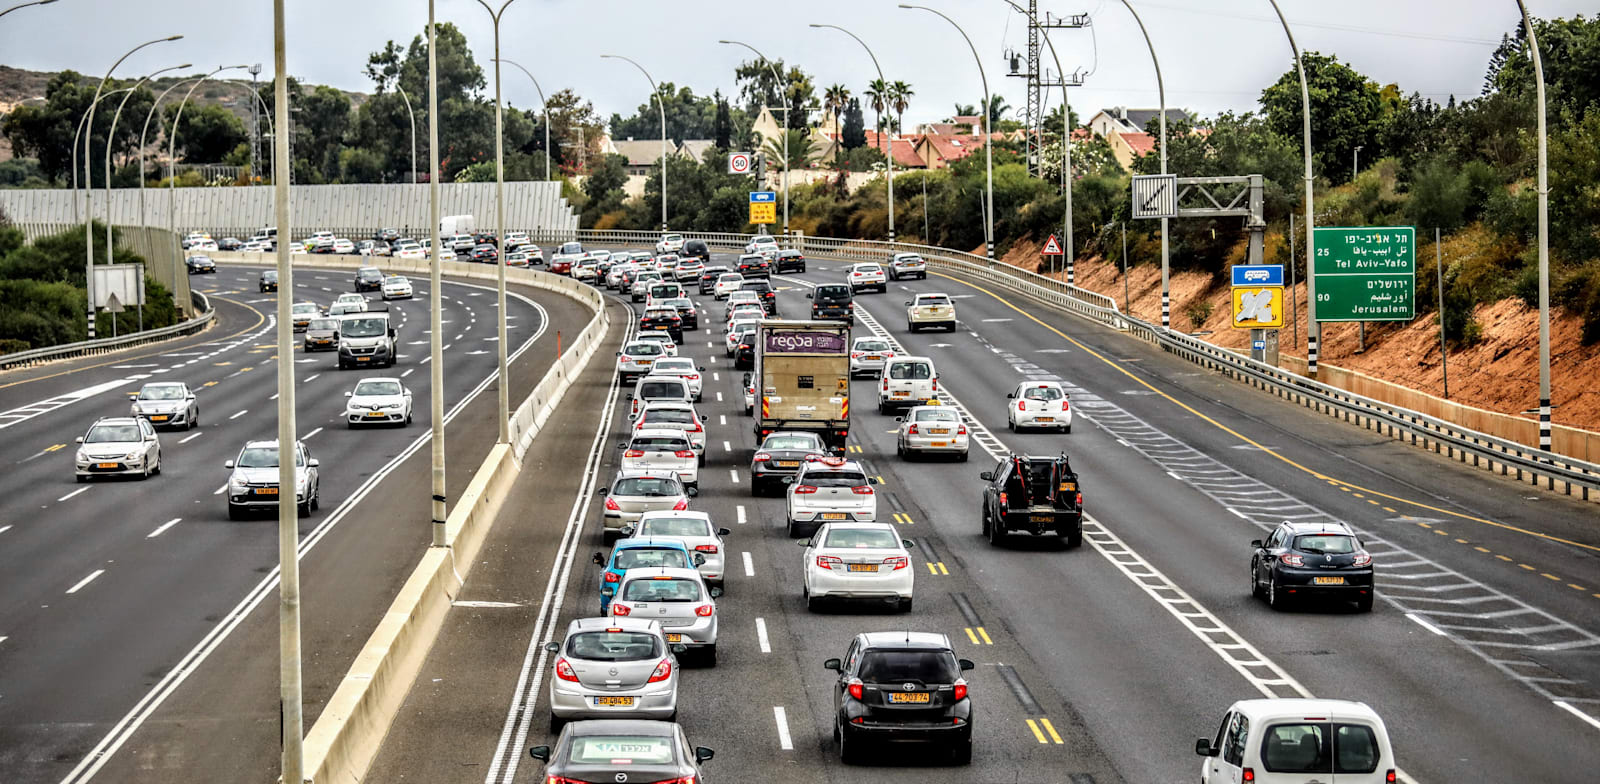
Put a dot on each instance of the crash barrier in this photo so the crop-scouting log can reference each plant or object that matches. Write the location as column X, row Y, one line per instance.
column 347, row 734
column 202, row 318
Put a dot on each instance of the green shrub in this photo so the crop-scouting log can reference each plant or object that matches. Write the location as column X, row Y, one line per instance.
column 1198, row 311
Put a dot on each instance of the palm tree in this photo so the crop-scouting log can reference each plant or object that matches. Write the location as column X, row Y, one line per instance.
column 998, row 106
column 834, row 101
column 801, row 147
column 900, row 97
column 878, row 91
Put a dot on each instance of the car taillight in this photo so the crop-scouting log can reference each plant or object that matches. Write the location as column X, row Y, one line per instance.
column 1022, row 405
column 1249, row 774
column 610, row 577
column 886, row 383
column 1362, row 559
column 624, row 358
column 961, row 430
column 895, row 563
column 681, row 505
column 762, row 457
column 961, row 690
column 936, row 383
column 705, row 548
column 633, row 453
column 611, row 504
column 805, row 489
column 693, row 376
column 619, row 610
column 663, row 672
column 1291, row 559
column 827, row 561
column 1390, row 777
column 1002, row 498
column 564, row 671
column 911, row 431
column 705, row 610
column 698, row 428
column 862, row 489
column 855, row 355
column 855, row 688
column 1080, row 499
column 683, row 453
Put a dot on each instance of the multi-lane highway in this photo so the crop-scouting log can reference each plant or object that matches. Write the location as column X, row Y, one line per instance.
column 1097, row 664
column 133, row 631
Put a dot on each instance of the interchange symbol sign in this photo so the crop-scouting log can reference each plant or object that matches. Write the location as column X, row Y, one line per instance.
column 1257, row 296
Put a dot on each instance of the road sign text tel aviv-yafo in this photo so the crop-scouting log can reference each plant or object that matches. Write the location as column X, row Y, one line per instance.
column 1366, row 274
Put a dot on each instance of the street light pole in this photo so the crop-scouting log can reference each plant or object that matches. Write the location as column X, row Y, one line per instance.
column 436, row 301
column 1313, row 329
column 172, row 146
column 988, row 142
column 1161, row 88
column 88, row 221
column 889, row 151
column 112, row 134
column 778, row 80
column 542, row 102
column 499, row 224
column 143, row 133
column 1544, row 236
column 25, row 5
column 413, row 116
column 1355, row 163
column 656, row 91
column 77, row 141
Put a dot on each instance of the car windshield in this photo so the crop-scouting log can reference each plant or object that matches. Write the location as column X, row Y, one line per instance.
column 674, row 526
column 263, row 457
column 377, row 388
column 659, row 389
column 935, row 415
column 643, row 349
column 640, row 557
column 363, row 327
column 659, row 443
column 926, row 666
column 106, row 434
column 162, row 392
column 910, row 371
column 792, row 442
column 1043, row 393
column 860, row 538
column 370, row 274
column 834, row 479
column 613, row 646
column 396, row 280
column 269, row 276
column 614, row 750
column 1326, row 544
column 647, row 487
column 871, row 345
column 571, row 247
column 674, row 416
column 323, row 323
column 655, row 589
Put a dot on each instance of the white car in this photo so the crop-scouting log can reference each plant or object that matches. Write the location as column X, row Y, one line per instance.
column 907, row 381
column 416, row 252
column 167, row 404
column 930, row 310
column 1262, row 740
column 1041, row 404
column 867, row 276
column 679, row 600
column 642, row 281
column 636, row 357
column 736, row 298
column 670, row 243
column 829, row 490
column 727, row 284
column 858, row 561
column 749, row 384
column 396, row 287
column 587, row 270
column 929, row 430
column 352, row 298
column 739, row 331
column 614, row 275
column 867, row 356
column 664, row 339
column 320, row 238
column 459, row 242
column 662, row 449
column 675, row 415
column 569, row 254
column 516, row 258
column 378, row 401
column 516, row 239
column 344, row 247
column 253, row 481
column 653, row 389
column 297, row 248
column 696, row 532
column 746, row 312
column 687, row 270
column 125, row 446
column 908, row 265
column 204, row 244
column 763, row 244
column 684, row 368
column 254, row 246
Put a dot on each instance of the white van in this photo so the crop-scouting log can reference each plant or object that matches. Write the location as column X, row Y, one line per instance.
column 907, row 381
column 1293, row 741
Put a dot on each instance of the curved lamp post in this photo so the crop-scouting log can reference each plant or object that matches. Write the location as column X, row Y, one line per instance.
column 889, row 148
column 778, row 80
column 1161, row 88
column 656, row 91
column 1313, row 329
column 542, row 102
column 25, row 5
column 172, row 146
column 413, row 116
column 112, row 134
column 77, row 139
column 1544, row 237
column 143, row 132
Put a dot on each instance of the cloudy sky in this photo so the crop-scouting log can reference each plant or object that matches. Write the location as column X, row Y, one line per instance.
column 1216, row 54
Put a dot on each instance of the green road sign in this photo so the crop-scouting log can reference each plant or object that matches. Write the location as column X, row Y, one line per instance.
column 1366, row 274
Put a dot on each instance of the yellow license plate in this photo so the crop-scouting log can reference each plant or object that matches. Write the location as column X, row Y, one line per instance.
column 159, row 418
column 788, row 463
column 941, row 443
column 1044, row 419
column 834, row 516
column 863, row 567
column 1068, row 487
column 613, row 702
column 909, row 696
column 266, row 491
column 1040, row 519
column 642, row 361
column 107, row 465
column 1328, row 580
column 374, row 413
column 674, row 638
column 901, row 394
column 659, row 326
column 938, row 431
column 874, row 357
column 363, row 359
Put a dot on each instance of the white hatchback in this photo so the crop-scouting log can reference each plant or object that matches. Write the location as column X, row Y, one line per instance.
column 858, row 561
column 669, row 345
column 727, row 284
column 683, row 368
column 662, row 449
column 637, row 356
column 867, row 276
column 696, row 532
column 378, row 401
column 1041, row 404
column 675, row 415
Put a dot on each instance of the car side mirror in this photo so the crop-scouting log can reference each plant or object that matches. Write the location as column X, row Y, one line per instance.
column 678, row 648
column 313, row 463
column 1203, row 748
column 987, row 476
column 133, row 394
column 624, row 444
column 79, row 440
column 788, row 480
column 693, row 492
column 716, row 592
column 1256, row 543
column 228, row 464
column 553, row 647
column 627, row 530
column 808, row 296
column 907, row 543
column 908, row 303
column 831, row 664
column 597, row 559
column 723, row 532
column 872, row 480
column 540, row 753
column 602, row 491
column 702, row 368
column 897, row 419
column 619, row 353
column 1011, row 395
column 703, row 754
column 966, row 664
column 347, row 394
column 803, row 542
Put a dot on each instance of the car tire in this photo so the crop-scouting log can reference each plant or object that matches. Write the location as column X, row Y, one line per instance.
column 1275, row 600
column 1067, row 429
column 1364, row 602
column 904, row 605
column 911, row 327
column 81, row 478
column 700, row 461
column 708, row 657
column 1255, row 581
column 961, row 754
column 850, row 752
column 348, row 425
column 235, row 513
column 792, row 530
column 813, row 604
column 883, row 408
column 964, row 455
column 303, row 510
column 1075, row 539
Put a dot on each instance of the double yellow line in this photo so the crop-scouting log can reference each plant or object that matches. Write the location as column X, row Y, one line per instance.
column 1041, row 727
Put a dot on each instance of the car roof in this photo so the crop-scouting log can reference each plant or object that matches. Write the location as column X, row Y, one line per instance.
column 149, row 384
column 864, row 338
column 658, row 432
column 847, row 526
column 662, row 513
column 911, row 358
column 377, row 378
column 648, row 473
column 118, row 420
column 907, row 639
column 664, row 729
column 653, row 542
column 652, row 572
column 793, row 433
column 1281, row 708
column 652, row 377
column 833, row 464
column 922, row 294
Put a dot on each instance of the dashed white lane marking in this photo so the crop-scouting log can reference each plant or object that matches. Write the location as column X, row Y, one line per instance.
column 740, row 510
column 733, row 475
column 716, row 377
column 719, row 397
column 187, row 439
column 727, row 447
column 710, row 344
column 1424, row 624
column 4, row 528
column 784, row 741
column 312, row 433
column 749, row 565
column 162, row 528
column 86, row 581
column 312, row 377
column 71, row 494
column 761, row 635
column 241, row 413
column 408, row 372
column 722, row 419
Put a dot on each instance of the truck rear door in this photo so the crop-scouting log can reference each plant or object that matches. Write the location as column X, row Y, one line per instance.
column 805, row 374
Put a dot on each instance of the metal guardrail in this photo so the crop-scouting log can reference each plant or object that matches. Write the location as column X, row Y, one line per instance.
column 204, row 315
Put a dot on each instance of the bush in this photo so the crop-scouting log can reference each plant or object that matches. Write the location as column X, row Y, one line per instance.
column 1198, row 311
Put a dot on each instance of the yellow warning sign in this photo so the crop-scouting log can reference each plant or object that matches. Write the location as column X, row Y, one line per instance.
column 1260, row 307
column 763, row 212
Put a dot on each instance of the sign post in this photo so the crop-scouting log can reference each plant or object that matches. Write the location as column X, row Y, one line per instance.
column 763, row 207
column 1366, row 274
column 1258, row 307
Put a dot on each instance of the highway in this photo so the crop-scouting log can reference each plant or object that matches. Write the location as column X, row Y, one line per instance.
column 138, row 626
column 1100, row 664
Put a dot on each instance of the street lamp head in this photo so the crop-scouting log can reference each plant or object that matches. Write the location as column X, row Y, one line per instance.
column 729, row 42
column 172, row 38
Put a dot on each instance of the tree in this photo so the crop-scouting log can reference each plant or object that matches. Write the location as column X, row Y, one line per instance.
column 603, row 186
column 688, row 116
column 900, row 99
column 853, row 133
column 835, row 100
column 1345, row 111
column 722, row 127
column 1570, row 51
column 998, row 106
column 801, row 148
column 46, row 132
column 207, row 134
column 965, row 110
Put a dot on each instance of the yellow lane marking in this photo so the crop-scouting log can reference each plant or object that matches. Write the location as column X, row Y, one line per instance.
column 1358, row 495
column 1246, row 439
column 1549, row 576
column 1036, row 733
column 972, row 637
column 55, row 447
column 880, row 481
column 1050, row 728
column 209, row 384
column 985, row 635
column 1390, row 510
column 933, row 569
column 1461, row 541
column 1503, row 558
column 1370, row 501
column 222, row 364
column 942, row 569
column 266, row 345
column 1576, row 587
column 1441, row 533
column 903, row 519
column 1525, row 566
column 1424, row 525
column 246, row 369
column 1481, row 549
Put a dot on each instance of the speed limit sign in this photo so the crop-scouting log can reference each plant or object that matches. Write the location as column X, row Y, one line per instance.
column 739, row 163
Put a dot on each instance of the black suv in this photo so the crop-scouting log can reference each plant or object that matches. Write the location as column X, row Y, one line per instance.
column 1302, row 560
column 752, row 264
column 269, row 281
column 369, row 279
column 898, row 687
column 1033, row 494
column 663, row 318
column 696, row 249
column 687, row 312
column 763, row 289
column 789, row 260
column 708, row 279
column 833, row 301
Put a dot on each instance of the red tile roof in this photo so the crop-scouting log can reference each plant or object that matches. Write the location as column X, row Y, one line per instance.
column 954, row 148
column 1140, row 143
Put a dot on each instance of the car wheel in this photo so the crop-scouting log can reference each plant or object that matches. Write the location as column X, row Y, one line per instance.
column 849, row 751
column 81, row 478
column 701, row 460
column 303, row 510
column 348, row 425
column 792, row 530
column 996, row 531
column 961, row 754
column 883, row 408
column 1075, row 539
column 813, row 603
column 905, row 605
column 1275, row 600
column 910, row 327
column 1255, row 581
column 157, row 470
column 235, row 513
column 1011, row 424
column 709, row 656
column 316, row 498
column 1364, row 602
column 963, row 457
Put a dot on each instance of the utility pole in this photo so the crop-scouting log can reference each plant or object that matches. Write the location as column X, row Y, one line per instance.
column 1444, row 350
column 435, row 301
column 1039, row 80
column 255, row 127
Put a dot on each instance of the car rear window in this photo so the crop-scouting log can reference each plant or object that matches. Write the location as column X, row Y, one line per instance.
column 644, row 349
column 658, row 389
column 927, row 666
column 933, row 300
column 858, row 538
column 659, row 443
column 791, row 442
column 613, row 646
column 615, row 750
column 676, row 416
column 641, row 486
column 936, row 415
column 1304, row 748
column 730, row 277
column 914, row 371
column 1327, row 544
column 1042, row 393
column 835, row 479
column 674, row 526
column 642, row 557
column 871, row 345
column 655, row 589
column 674, row 365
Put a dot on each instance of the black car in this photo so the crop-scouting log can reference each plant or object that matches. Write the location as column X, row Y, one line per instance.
column 696, row 249
column 486, row 253
column 662, row 318
column 833, row 301
column 780, row 455
column 485, row 238
column 200, row 265
column 752, row 264
column 1037, row 495
column 230, row 243
column 789, row 260
column 1303, row 560
column 369, row 279
column 708, row 278
column 901, row 687
column 268, row 281
column 763, row 289
column 621, row 750
column 744, row 354
column 687, row 312
column 386, row 235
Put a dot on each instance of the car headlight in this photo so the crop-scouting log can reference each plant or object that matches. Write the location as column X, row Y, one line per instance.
column 134, row 456
column 236, row 483
column 82, row 458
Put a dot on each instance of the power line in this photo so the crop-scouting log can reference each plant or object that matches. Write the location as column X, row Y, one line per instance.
column 1334, row 26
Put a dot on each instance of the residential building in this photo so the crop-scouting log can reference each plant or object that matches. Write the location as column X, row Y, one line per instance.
column 939, row 151
column 1121, row 119
column 1127, row 146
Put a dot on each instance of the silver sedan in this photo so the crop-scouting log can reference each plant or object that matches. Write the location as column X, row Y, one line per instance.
column 927, row 430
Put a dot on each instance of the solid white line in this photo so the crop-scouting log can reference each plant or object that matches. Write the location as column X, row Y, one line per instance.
column 187, row 439
column 86, row 580
column 312, row 433
column 733, row 475
column 740, row 510
column 164, row 527
column 241, row 413
column 784, row 741
column 761, row 635
column 71, row 494
column 1424, row 624
column 749, row 565
column 1587, row 719
column 727, row 447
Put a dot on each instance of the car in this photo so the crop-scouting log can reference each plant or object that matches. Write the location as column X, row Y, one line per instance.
column 749, row 385
column 319, row 239
column 688, row 270
column 746, row 311
column 744, row 349
column 1033, row 494
column 741, row 337
column 728, row 283
column 609, row 667
column 586, row 270
column 267, row 281
column 789, row 260
column 642, row 281
column 346, row 308
column 686, row 311
column 901, row 687
column 386, row 235
column 675, row 415
column 1039, row 404
column 679, row 599
column 378, row 401
column 1306, row 560
column 342, row 246
column 669, row 243
column 534, row 253
column 485, row 253
column 613, row 276
column 683, row 368
column 381, row 249
column 191, row 238
column 831, row 489
column 780, row 456
column 708, row 278
column 766, row 295
column 927, row 311
column 867, row 276
column 366, row 340
column 254, row 246
column 662, row 319
column 229, row 243
column 637, row 552
column 369, row 279
column 661, row 339
column 695, row 531
column 932, row 430
column 458, row 242
column 663, row 289
column 636, row 357
column 350, row 298
column 616, row 749
column 253, row 481
column 200, row 265
column 565, row 256
column 515, row 239
column 763, row 244
column 205, row 244
column 632, row 493
column 857, row 561
column 1291, row 740
column 322, row 334
column 118, row 446
column 167, row 404
column 907, row 265
column 665, row 263
column 297, row 248
column 833, row 302
column 396, row 287
column 302, row 313
column 753, row 265
column 485, row 238
column 661, row 449
column 741, row 297
column 516, row 258
column 867, row 356
column 416, row 252
column 907, row 381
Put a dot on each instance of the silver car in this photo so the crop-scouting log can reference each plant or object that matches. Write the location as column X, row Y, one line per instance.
column 930, row 430
column 378, row 401
column 676, row 597
column 829, row 490
column 124, row 446
column 167, row 404
column 633, row 493
column 614, row 667
column 322, row 334
column 867, row 356
column 253, row 485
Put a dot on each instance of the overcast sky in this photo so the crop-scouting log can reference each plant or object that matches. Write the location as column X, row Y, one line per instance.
column 1216, row 54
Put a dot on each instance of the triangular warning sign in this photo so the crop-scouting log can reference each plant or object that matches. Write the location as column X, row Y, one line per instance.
column 1052, row 247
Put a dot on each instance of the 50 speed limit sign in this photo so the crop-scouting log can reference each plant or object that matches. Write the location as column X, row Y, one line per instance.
column 739, row 163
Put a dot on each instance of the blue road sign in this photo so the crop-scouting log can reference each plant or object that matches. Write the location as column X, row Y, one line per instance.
column 756, row 197
column 1258, row 275
column 1259, row 345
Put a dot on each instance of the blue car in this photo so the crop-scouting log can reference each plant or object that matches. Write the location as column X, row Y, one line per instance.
column 638, row 553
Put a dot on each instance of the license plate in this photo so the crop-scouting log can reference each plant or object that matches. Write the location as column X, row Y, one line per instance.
column 835, row 516
column 1040, row 519
column 642, row 362
column 788, row 463
column 873, row 357
column 374, row 414
column 1044, row 419
column 909, row 696
column 613, row 702
column 1068, row 487
column 901, row 394
column 1328, row 580
column 107, row 465
column 938, row 431
column 863, row 567
column 659, row 326
column 159, row 418
column 266, row 491
column 941, row 443
column 363, row 359
column 674, row 638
